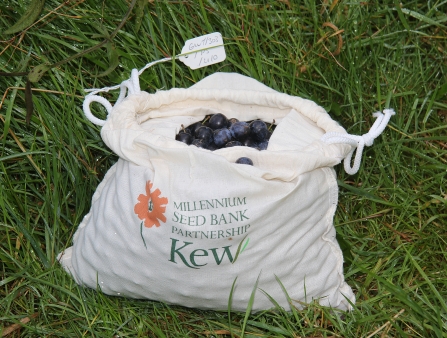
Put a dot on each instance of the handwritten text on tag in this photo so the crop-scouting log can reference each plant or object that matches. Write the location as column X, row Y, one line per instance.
column 203, row 51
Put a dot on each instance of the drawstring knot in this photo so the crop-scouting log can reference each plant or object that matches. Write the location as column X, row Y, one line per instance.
column 359, row 142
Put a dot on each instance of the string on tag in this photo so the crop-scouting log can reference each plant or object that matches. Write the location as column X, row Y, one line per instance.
column 198, row 52
column 359, row 142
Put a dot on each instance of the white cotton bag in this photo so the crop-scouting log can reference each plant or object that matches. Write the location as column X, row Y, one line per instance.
column 189, row 226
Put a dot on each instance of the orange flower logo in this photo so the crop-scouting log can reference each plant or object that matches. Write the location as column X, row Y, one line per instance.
column 151, row 207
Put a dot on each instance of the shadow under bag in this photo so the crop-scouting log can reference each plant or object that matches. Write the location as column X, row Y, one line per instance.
column 189, row 226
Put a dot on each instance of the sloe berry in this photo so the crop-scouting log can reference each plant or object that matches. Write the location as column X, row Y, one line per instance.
column 218, row 121
column 200, row 143
column 193, row 127
column 263, row 145
column 258, row 130
column 233, row 144
column 205, row 133
column 240, row 130
column 231, row 121
column 222, row 137
column 249, row 142
column 244, row 160
column 216, row 131
column 212, row 146
column 184, row 137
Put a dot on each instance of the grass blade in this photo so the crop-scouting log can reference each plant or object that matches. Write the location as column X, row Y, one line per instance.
column 250, row 305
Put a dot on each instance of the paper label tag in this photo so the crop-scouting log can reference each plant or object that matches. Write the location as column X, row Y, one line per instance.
column 203, row 51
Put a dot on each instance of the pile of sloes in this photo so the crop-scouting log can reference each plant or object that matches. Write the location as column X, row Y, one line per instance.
column 216, row 131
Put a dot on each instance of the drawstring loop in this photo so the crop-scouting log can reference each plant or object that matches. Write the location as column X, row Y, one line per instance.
column 128, row 87
column 359, row 142
column 88, row 113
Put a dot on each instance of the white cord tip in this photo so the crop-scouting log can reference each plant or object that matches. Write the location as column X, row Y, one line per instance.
column 389, row 111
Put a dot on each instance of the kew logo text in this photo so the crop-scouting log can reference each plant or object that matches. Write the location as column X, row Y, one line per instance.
column 181, row 253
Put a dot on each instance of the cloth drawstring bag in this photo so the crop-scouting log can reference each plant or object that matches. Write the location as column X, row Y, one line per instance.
column 189, row 226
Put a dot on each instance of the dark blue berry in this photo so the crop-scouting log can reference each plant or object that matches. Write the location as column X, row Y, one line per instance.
column 259, row 131
column 244, row 160
column 216, row 131
column 200, row 143
column 212, row 146
column 184, row 137
column 185, row 131
column 205, row 134
column 233, row 144
column 218, row 121
column 222, row 137
column 193, row 127
column 240, row 130
column 231, row 121
column 249, row 142
column 263, row 145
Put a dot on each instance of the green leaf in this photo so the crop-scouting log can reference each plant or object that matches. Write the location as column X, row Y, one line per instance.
column 114, row 61
column 345, row 248
column 250, row 305
column 362, row 192
column 230, row 302
column 401, row 15
column 34, row 243
column 28, row 101
column 441, row 91
column 334, row 109
column 37, row 72
column 28, row 18
column 424, row 18
column 270, row 328
column 17, row 155
column 139, row 13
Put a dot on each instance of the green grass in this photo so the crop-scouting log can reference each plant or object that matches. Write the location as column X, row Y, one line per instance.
column 392, row 215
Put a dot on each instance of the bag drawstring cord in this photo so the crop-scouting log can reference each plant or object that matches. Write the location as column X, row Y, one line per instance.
column 132, row 86
column 359, row 142
column 129, row 87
